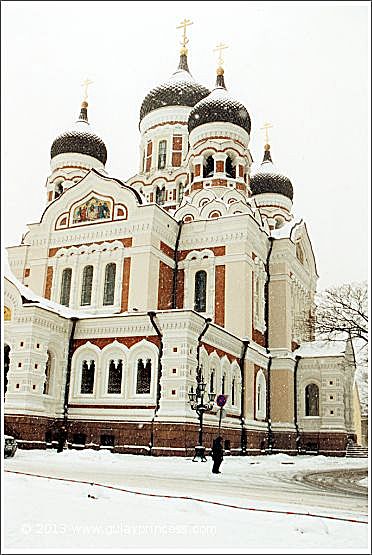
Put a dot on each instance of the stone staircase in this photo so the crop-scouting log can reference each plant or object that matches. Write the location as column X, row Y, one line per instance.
column 355, row 450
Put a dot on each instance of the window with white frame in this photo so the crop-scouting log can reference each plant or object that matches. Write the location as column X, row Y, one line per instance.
column 109, row 285
column 48, row 371
column 260, row 396
column 200, row 296
column 87, row 376
column 115, row 376
column 66, row 286
column 86, row 288
column 312, row 400
column 143, row 381
column 162, row 154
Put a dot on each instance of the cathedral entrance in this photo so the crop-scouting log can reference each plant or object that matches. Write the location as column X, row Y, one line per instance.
column 6, row 366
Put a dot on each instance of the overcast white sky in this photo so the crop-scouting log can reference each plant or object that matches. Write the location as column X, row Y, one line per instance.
column 305, row 67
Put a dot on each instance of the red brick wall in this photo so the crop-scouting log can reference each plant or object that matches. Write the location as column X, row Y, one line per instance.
column 180, row 288
column 101, row 342
column 197, row 170
column 48, row 282
column 219, row 302
column 220, row 166
column 218, row 251
column 219, row 182
column 177, row 142
column 258, row 337
column 125, row 285
column 165, row 286
column 176, row 159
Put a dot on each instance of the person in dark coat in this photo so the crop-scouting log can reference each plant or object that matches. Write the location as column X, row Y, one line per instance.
column 217, row 455
column 62, row 436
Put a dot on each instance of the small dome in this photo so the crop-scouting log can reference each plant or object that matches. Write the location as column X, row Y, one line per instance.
column 79, row 139
column 219, row 107
column 180, row 90
column 268, row 180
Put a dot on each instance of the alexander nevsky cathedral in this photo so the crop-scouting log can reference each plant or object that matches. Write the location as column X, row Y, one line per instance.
column 134, row 304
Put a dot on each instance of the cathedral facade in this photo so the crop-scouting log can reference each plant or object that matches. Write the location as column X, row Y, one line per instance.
column 128, row 295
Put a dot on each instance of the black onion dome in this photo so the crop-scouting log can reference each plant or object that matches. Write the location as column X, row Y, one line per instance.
column 180, row 90
column 218, row 107
column 79, row 139
column 268, row 180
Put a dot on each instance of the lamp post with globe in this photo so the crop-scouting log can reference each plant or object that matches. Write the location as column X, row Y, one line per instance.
column 201, row 402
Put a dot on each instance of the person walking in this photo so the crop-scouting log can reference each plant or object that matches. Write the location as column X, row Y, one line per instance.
column 217, row 454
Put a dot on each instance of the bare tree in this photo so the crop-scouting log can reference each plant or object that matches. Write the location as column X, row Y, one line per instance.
column 343, row 310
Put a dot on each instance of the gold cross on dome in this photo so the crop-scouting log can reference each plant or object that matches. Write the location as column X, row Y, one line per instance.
column 86, row 84
column 219, row 49
column 185, row 23
column 266, row 127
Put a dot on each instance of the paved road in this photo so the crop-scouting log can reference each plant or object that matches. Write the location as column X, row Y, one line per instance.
column 336, row 489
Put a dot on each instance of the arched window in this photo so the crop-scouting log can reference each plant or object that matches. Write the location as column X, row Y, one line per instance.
column 260, row 396
column 160, row 195
column 230, row 169
column 211, row 383
column 115, row 376
column 6, row 366
column 233, row 392
column 48, row 369
column 109, row 287
column 66, row 286
column 200, row 297
column 87, row 377
column 143, row 376
column 86, row 288
column 299, row 253
column 162, row 155
column 223, row 384
column 208, row 167
column 312, row 400
column 58, row 190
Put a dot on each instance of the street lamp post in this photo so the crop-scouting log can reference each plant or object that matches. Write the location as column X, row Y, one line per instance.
column 201, row 406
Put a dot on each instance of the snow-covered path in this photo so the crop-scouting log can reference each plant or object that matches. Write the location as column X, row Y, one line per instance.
column 45, row 513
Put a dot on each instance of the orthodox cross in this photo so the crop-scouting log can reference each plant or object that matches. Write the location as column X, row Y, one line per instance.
column 266, row 127
column 219, row 48
column 86, row 84
column 185, row 23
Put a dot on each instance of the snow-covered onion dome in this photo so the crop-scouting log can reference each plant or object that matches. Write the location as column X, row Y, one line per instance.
column 219, row 107
column 180, row 89
column 73, row 154
column 80, row 139
column 272, row 191
column 269, row 180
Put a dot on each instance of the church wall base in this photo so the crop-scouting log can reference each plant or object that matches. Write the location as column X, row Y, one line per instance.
column 166, row 439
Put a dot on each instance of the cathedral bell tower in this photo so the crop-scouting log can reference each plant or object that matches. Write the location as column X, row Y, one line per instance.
column 75, row 152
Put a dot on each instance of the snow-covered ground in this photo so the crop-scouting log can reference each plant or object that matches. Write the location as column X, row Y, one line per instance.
column 44, row 514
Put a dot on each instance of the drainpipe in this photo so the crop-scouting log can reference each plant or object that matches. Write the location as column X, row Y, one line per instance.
column 175, row 269
column 243, row 436
column 64, row 434
column 266, row 293
column 152, row 315
column 298, row 434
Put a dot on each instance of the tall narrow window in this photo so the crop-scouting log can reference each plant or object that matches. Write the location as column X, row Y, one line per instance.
column 66, row 286
column 230, row 169
column 181, row 190
column 115, row 377
column 86, row 289
column 312, row 400
column 143, row 376
column 223, row 384
column 162, row 155
column 87, row 377
column 208, row 167
column 109, row 287
column 160, row 195
column 200, row 297
column 259, row 395
column 233, row 392
column 48, row 369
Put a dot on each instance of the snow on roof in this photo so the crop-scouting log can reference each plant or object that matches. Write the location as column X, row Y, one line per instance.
column 321, row 348
column 284, row 232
